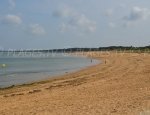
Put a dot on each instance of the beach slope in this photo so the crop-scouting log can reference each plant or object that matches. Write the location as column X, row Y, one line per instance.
column 118, row 86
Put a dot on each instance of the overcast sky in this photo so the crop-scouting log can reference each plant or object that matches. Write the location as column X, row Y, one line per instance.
column 46, row 24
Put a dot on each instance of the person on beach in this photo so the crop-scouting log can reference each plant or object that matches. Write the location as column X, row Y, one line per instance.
column 91, row 60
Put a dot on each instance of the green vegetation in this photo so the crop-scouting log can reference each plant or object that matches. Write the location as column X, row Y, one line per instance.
column 110, row 48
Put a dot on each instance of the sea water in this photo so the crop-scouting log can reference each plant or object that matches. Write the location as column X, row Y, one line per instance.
column 21, row 69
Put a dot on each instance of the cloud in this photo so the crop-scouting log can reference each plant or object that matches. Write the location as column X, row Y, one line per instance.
column 122, row 6
column 64, row 27
column 12, row 3
column 11, row 19
column 83, row 23
column 66, row 12
column 112, row 25
column 36, row 29
column 73, row 20
column 108, row 12
column 138, row 13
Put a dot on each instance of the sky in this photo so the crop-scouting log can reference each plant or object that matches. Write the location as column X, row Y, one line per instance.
column 49, row 24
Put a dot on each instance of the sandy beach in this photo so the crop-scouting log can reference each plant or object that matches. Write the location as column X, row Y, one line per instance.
column 120, row 85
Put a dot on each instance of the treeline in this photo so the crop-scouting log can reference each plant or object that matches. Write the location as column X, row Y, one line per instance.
column 110, row 48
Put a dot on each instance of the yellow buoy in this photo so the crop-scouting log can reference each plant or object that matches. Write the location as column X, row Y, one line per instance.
column 3, row 65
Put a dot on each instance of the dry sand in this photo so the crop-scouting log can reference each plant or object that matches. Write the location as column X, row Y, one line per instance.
column 121, row 86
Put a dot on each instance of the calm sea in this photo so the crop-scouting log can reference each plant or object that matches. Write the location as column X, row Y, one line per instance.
column 16, row 69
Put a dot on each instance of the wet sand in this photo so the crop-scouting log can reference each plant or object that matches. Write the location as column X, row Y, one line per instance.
column 118, row 86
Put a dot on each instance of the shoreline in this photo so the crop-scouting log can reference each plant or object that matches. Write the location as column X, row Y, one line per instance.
column 38, row 77
column 119, row 87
